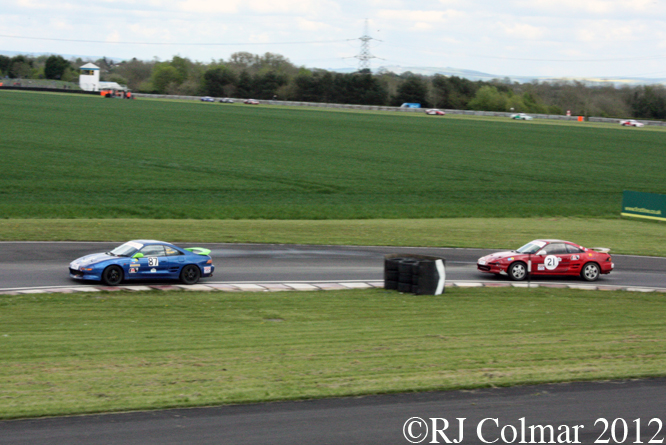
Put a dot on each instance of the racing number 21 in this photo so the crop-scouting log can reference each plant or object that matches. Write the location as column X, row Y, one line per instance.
column 550, row 262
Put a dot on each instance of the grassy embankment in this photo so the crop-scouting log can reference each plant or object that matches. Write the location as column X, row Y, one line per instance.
column 64, row 354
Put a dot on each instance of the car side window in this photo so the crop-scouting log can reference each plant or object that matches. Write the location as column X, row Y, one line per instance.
column 555, row 249
column 171, row 251
column 573, row 249
column 153, row 250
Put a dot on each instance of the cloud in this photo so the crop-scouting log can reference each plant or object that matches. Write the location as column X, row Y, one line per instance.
column 605, row 31
column 592, row 8
column 417, row 16
column 210, row 7
column 524, row 31
column 294, row 7
column 314, row 26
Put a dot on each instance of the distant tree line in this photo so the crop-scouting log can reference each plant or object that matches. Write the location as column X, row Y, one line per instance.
column 267, row 76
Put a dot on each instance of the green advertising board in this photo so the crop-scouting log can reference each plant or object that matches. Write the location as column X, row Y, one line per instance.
column 644, row 205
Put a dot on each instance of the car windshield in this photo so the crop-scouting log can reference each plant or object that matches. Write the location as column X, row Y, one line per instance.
column 127, row 249
column 531, row 247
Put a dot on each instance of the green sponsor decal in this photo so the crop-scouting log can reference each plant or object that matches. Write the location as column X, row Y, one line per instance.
column 644, row 205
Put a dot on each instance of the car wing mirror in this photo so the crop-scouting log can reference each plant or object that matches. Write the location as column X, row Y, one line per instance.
column 541, row 252
column 137, row 255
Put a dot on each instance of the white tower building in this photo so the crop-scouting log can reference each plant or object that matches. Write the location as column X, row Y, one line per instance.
column 89, row 77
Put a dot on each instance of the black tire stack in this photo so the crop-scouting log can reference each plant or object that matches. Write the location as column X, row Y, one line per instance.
column 416, row 274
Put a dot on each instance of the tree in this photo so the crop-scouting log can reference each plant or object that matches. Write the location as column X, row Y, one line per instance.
column 452, row 92
column 4, row 64
column 488, row 98
column 366, row 89
column 55, row 67
column 243, row 60
column 217, row 81
column 414, row 90
column 20, row 67
column 276, row 63
column 265, row 86
column 650, row 102
column 307, row 87
column 135, row 71
column 245, row 86
column 182, row 65
column 164, row 75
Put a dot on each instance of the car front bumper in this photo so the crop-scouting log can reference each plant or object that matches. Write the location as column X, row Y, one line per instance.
column 84, row 275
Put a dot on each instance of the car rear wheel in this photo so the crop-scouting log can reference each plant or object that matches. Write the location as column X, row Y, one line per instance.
column 590, row 272
column 518, row 271
column 190, row 274
column 112, row 276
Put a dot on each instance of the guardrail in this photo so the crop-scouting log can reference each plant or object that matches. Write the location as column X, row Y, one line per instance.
column 402, row 110
column 352, row 107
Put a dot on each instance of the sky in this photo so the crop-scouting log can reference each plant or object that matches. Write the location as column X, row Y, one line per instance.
column 541, row 38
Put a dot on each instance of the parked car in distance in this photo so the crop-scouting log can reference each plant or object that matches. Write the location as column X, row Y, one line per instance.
column 631, row 123
column 435, row 112
column 207, row 99
column 226, row 100
column 521, row 117
column 251, row 102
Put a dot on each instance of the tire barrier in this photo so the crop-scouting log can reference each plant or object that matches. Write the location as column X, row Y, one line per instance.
column 415, row 274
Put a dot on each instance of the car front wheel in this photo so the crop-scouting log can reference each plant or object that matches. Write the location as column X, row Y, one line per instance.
column 518, row 271
column 590, row 272
column 190, row 274
column 112, row 276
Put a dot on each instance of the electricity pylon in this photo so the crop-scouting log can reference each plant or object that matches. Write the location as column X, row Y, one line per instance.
column 365, row 55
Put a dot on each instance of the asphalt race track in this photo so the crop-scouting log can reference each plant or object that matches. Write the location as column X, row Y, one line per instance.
column 381, row 420
column 569, row 408
column 44, row 264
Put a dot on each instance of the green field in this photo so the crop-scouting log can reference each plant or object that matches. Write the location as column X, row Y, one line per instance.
column 622, row 236
column 78, row 353
column 70, row 156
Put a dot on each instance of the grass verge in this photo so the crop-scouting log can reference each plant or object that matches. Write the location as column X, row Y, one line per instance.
column 621, row 235
column 84, row 353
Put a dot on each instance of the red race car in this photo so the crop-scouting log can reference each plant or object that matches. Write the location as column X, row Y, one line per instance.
column 631, row 123
column 549, row 257
column 435, row 112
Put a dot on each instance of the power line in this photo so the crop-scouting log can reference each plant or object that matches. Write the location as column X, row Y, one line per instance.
column 177, row 44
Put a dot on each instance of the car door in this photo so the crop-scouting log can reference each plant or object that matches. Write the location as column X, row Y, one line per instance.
column 176, row 260
column 155, row 263
column 554, row 259
column 576, row 258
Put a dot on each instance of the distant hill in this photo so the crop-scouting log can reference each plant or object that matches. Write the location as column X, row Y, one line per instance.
column 478, row 75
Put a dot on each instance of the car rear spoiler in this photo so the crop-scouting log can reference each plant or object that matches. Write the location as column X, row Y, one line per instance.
column 198, row 250
column 601, row 249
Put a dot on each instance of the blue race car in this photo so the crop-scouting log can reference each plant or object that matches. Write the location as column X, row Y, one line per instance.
column 144, row 259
